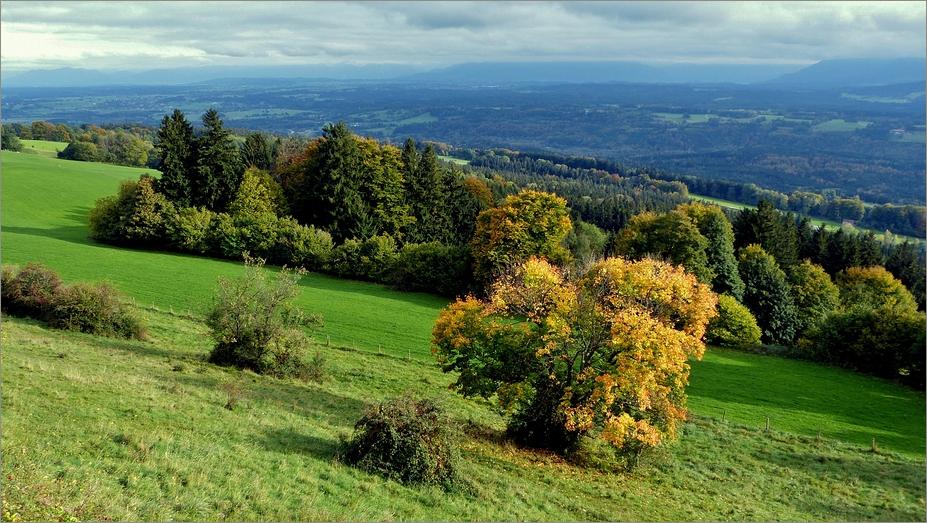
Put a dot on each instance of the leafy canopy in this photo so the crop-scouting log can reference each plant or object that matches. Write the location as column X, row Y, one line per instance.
column 605, row 351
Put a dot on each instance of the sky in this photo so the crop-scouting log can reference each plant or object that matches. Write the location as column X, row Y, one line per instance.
column 151, row 35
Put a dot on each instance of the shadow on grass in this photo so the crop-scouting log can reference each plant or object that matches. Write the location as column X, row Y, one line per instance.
column 286, row 441
column 877, row 472
column 74, row 234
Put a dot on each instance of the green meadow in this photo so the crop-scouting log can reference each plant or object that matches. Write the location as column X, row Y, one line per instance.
column 43, row 148
column 97, row 428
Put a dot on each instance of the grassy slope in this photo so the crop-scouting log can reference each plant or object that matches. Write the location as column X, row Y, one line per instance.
column 44, row 208
column 44, row 205
column 43, row 148
column 106, row 429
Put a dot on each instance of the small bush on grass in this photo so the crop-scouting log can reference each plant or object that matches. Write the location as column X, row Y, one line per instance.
column 405, row 439
column 95, row 309
column 29, row 291
column 83, row 307
column 255, row 324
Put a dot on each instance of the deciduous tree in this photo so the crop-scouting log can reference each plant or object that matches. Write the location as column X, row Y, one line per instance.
column 606, row 352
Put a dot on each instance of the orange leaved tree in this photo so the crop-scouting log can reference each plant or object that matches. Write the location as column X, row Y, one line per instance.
column 603, row 352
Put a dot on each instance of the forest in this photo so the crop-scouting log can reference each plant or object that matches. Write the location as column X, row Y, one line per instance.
column 357, row 208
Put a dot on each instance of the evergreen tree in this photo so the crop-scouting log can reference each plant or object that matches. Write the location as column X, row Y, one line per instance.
column 219, row 168
column 767, row 294
column 717, row 230
column 904, row 264
column 256, row 152
column 427, row 188
column 336, row 182
column 178, row 150
column 767, row 227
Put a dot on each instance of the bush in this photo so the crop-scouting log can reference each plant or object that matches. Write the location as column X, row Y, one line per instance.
column 407, row 440
column 887, row 342
column 734, row 326
column 188, row 229
column 83, row 307
column 95, row 309
column 255, row 324
column 300, row 245
column 30, row 291
column 433, row 267
column 372, row 259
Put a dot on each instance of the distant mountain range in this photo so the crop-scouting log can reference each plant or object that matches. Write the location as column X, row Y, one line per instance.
column 824, row 74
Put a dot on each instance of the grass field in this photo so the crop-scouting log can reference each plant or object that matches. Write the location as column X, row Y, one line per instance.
column 451, row 159
column 43, row 148
column 136, row 430
column 97, row 429
column 839, row 126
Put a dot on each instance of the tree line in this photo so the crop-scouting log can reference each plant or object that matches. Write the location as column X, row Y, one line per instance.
column 908, row 220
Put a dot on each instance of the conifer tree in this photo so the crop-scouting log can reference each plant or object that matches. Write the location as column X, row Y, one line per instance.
column 219, row 168
column 768, row 295
column 179, row 158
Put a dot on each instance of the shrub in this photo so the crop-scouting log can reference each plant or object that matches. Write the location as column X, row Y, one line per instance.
column 734, row 326
column 433, row 267
column 300, row 245
column 887, row 342
column 405, row 439
column 30, row 291
column 95, row 309
column 83, row 307
column 188, row 229
column 255, row 324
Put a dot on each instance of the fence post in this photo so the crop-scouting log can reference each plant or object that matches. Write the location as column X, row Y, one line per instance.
column 328, row 339
column 874, row 449
column 409, row 358
column 724, row 415
column 767, row 424
column 378, row 349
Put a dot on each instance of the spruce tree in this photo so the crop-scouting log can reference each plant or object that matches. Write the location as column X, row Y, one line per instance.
column 178, row 149
column 219, row 169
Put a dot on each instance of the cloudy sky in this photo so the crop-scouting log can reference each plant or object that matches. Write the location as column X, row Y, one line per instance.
column 149, row 35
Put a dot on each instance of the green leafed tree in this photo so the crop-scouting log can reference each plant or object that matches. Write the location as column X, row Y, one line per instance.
column 768, row 295
column 873, row 287
column 734, row 326
column 671, row 236
column 813, row 292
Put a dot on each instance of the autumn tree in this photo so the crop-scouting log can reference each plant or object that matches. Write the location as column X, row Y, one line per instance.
column 604, row 352
column 527, row 224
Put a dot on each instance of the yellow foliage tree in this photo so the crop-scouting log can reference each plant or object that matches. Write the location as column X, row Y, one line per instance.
column 602, row 352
